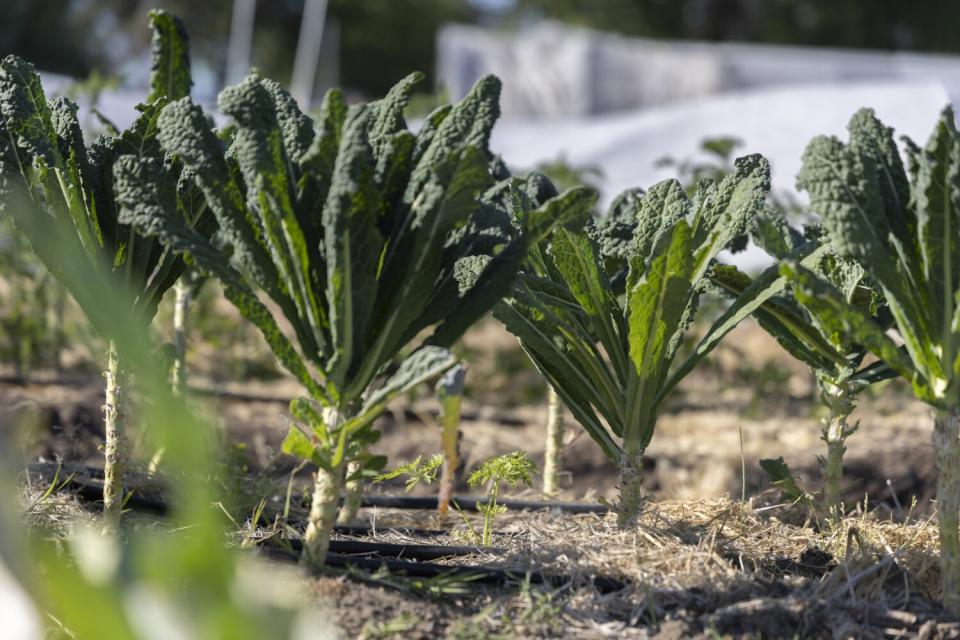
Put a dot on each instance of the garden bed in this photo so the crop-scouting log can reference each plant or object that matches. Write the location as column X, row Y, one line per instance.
column 689, row 568
column 686, row 569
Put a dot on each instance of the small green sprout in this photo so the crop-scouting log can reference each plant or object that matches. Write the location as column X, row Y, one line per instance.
column 399, row 624
column 417, row 470
column 782, row 478
column 512, row 468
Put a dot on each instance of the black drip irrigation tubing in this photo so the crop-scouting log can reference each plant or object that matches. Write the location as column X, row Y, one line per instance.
column 382, row 501
column 92, row 491
column 470, row 504
column 410, row 551
column 475, row 574
column 363, row 531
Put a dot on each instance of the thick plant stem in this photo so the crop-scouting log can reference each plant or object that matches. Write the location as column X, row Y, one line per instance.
column 553, row 457
column 115, row 454
column 354, row 494
column 450, row 394
column 946, row 442
column 450, row 467
column 631, row 490
column 323, row 507
column 836, row 429
column 181, row 316
column 323, row 515
column 833, row 467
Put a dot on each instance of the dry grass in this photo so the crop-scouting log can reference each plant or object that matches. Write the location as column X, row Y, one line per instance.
column 716, row 568
column 47, row 509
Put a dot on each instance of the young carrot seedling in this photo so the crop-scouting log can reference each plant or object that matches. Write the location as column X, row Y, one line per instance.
column 513, row 469
column 416, row 471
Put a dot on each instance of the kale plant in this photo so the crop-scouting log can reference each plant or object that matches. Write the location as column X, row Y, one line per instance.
column 539, row 188
column 900, row 224
column 835, row 357
column 64, row 197
column 603, row 314
column 377, row 247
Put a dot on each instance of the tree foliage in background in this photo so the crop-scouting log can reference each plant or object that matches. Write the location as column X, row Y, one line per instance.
column 381, row 41
column 25, row 28
column 378, row 41
column 879, row 24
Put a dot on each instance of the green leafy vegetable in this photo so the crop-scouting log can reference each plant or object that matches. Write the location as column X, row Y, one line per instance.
column 901, row 228
column 378, row 247
column 66, row 198
column 798, row 323
column 609, row 354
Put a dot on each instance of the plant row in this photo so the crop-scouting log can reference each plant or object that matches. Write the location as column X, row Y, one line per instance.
column 375, row 248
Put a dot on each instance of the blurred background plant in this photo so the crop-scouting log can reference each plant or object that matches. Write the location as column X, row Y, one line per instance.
column 41, row 328
column 167, row 579
column 222, row 346
column 566, row 175
column 31, row 307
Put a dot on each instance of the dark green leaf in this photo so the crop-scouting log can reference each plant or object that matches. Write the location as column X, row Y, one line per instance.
column 781, row 477
column 170, row 73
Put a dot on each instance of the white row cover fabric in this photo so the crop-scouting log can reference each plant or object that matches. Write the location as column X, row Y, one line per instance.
column 777, row 123
column 551, row 69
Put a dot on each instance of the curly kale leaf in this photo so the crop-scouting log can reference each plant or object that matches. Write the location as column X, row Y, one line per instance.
column 147, row 200
column 387, row 114
column 170, row 77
